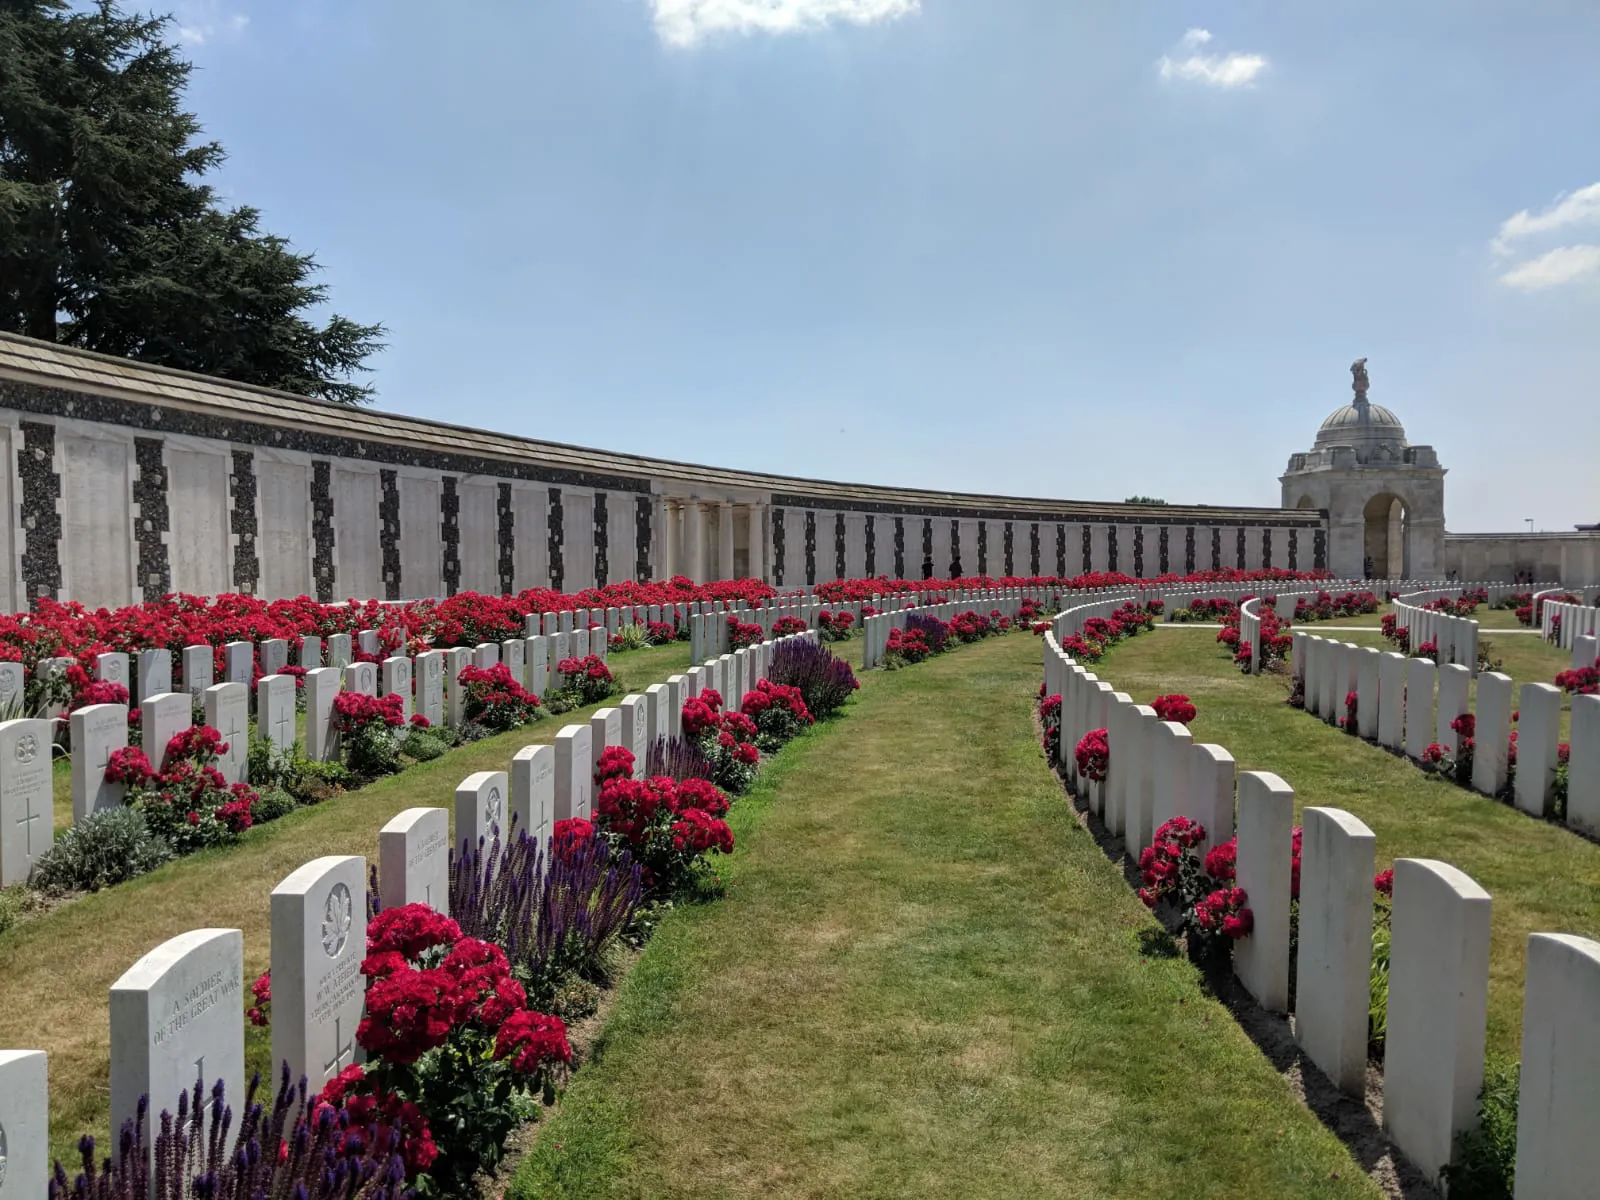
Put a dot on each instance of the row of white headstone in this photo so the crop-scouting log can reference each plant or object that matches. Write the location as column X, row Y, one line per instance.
column 177, row 1015
column 1406, row 704
column 1455, row 638
column 875, row 629
column 1439, row 948
column 1568, row 624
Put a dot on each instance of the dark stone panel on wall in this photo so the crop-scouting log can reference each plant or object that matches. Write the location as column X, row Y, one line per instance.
column 1088, row 551
column 777, row 547
column 643, row 524
column 41, row 523
column 1165, row 556
column 1188, row 551
column 389, row 532
column 899, row 547
column 154, row 519
column 506, row 530
column 1061, row 551
column 242, row 523
column 872, row 546
column 322, row 528
column 1239, row 547
column 1319, row 549
column 1294, row 549
column 1033, row 548
column 838, row 545
column 955, row 550
column 1216, row 549
column 1266, row 547
column 1111, row 548
column 927, row 548
column 811, row 547
column 602, row 538
column 450, row 528
column 983, row 547
column 556, row 541
column 82, row 406
column 1138, row 551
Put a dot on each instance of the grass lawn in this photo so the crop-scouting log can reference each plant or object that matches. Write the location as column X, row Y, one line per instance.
column 926, row 980
column 1542, row 877
column 56, row 971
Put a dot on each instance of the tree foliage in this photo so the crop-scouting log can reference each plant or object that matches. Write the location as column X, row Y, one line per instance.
column 1143, row 500
column 108, row 238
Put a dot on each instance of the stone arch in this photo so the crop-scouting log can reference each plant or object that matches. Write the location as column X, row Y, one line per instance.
column 1386, row 520
column 1307, row 502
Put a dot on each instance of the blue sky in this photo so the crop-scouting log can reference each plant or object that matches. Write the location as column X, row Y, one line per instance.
column 1082, row 249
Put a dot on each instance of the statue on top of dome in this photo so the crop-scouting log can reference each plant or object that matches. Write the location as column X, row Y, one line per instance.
column 1359, row 382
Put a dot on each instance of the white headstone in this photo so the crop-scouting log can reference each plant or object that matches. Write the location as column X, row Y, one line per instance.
column 414, row 860
column 456, row 660
column 1538, row 734
column 656, row 702
column 1492, row 733
column 1558, row 1155
column 1174, row 755
column 319, row 937
column 1421, row 676
column 1391, row 700
column 274, row 656
column 511, row 654
column 112, row 667
column 1264, row 870
column 27, row 817
column 310, row 651
column 155, row 673
column 580, row 643
column 481, row 808
column 1583, row 766
column 1454, row 682
column 533, row 791
column 199, row 669
column 1334, row 966
column 397, row 682
column 605, row 725
column 228, row 712
column 176, row 1019
column 162, row 718
column 24, row 1125
column 560, row 647
column 1438, row 1009
column 12, row 684
column 239, row 662
column 1211, row 786
column 367, row 640
column 635, row 731
column 574, row 771
column 98, row 730
column 322, row 688
column 340, row 653
column 1367, row 691
column 536, row 666
column 362, row 678
column 430, row 686
column 275, row 709
column 486, row 655
column 1142, row 798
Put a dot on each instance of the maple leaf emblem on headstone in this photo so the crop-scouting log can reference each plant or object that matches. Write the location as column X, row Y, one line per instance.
column 337, row 917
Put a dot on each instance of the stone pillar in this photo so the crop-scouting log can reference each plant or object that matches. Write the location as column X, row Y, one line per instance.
column 669, row 552
column 694, row 540
column 724, row 567
column 756, row 541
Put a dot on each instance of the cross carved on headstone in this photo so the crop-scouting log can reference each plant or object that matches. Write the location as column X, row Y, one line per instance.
column 330, row 1069
column 283, row 726
column 231, row 734
column 200, row 1079
column 27, row 822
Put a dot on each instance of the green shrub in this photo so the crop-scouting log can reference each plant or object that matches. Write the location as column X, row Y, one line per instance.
column 631, row 637
column 110, row 847
column 315, row 781
column 1485, row 1161
column 13, row 902
column 422, row 746
column 271, row 804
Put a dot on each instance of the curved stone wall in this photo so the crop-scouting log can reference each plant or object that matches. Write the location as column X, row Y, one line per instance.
column 124, row 480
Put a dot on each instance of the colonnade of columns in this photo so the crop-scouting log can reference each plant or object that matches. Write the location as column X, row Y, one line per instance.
column 702, row 539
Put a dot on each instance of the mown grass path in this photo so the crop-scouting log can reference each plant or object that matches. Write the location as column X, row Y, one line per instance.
column 926, row 981
column 56, row 971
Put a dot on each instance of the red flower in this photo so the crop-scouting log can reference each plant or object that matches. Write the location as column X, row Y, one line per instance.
column 1176, row 707
column 408, row 1014
column 1383, row 881
column 409, row 930
column 532, row 1041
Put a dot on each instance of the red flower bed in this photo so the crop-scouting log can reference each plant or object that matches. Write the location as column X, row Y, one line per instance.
column 1093, row 755
column 1176, row 707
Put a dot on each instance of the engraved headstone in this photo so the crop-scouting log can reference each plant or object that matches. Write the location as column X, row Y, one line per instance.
column 574, row 772
column 162, row 718
column 481, row 808
column 112, row 667
column 98, row 731
column 533, row 791
column 199, row 669
column 430, row 686
column 340, row 653
column 322, row 688
column 155, row 673
column 414, row 860
column 536, row 659
column 275, row 709
column 310, row 652
column 274, row 656
column 580, row 643
column 319, row 937
column 12, row 685
column 361, row 677
column 635, row 734
column 397, row 682
column 228, row 712
column 367, row 640
column 27, row 821
column 175, row 1021
column 485, row 655
column 24, row 1125
column 456, row 660
column 239, row 662
column 511, row 654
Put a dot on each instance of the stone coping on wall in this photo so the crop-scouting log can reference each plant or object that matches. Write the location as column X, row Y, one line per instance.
column 49, row 374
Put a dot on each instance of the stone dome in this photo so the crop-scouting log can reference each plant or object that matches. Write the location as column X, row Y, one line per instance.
column 1348, row 426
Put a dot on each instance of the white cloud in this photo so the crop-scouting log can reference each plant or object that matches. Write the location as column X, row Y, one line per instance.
column 1214, row 70
column 688, row 22
column 200, row 21
column 1570, row 208
column 1554, row 268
